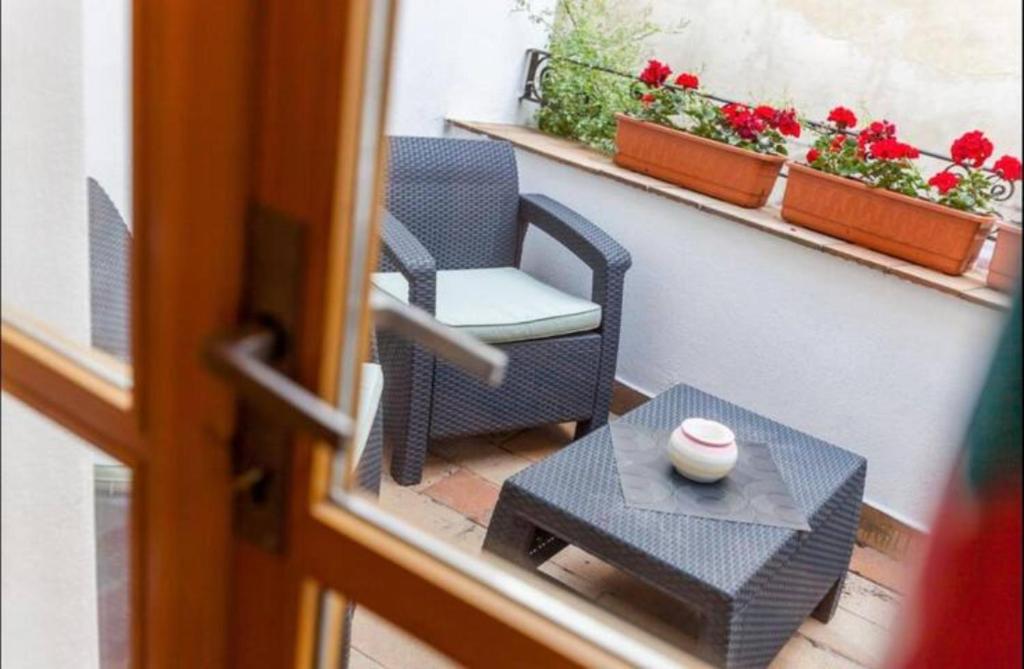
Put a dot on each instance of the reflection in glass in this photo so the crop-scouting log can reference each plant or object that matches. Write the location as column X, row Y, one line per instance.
column 66, row 547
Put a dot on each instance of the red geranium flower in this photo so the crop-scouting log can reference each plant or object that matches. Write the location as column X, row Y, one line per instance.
column 733, row 109
column 647, row 99
column 842, row 117
column 655, row 74
column 837, row 143
column 878, row 130
column 891, row 149
column 687, row 80
column 1008, row 168
column 787, row 123
column 972, row 147
column 813, row 155
column 944, row 181
column 743, row 120
column 766, row 113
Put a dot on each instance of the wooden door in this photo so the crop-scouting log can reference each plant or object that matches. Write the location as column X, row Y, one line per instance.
column 241, row 112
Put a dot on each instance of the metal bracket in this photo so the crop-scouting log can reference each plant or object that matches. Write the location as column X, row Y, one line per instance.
column 260, row 362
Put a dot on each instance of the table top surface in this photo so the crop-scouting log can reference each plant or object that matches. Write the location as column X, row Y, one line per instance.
column 582, row 482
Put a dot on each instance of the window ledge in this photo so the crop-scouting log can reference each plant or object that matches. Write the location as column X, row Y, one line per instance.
column 970, row 286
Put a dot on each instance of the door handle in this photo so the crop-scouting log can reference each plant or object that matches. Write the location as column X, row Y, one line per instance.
column 246, row 361
column 485, row 362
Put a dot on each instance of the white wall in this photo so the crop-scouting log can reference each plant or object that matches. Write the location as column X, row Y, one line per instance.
column 64, row 97
column 459, row 59
column 106, row 71
column 49, row 601
column 45, row 255
column 937, row 69
column 881, row 366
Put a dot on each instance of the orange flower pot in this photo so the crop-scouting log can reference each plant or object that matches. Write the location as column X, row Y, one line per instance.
column 1004, row 269
column 921, row 232
column 735, row 175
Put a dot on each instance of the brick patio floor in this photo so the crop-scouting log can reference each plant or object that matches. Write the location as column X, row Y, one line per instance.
column 455, row 499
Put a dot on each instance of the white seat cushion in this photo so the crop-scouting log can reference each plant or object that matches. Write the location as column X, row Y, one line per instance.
column 500, row 304
column 371, row 385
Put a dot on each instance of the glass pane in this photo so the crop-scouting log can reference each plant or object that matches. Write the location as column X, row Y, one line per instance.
column 541, row 471
column 378, row 643
column 66, row 547
column 66, row 153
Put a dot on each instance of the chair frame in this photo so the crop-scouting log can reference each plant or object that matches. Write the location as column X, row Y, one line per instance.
column 558, row 379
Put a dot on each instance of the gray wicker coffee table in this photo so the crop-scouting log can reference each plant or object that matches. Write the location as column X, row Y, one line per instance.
column 753, row 585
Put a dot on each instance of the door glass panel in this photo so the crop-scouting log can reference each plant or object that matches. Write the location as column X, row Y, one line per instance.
column 66, row 169
column 66, row 547
column 378, row 643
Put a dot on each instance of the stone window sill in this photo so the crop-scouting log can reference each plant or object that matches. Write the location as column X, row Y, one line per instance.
column 970, row 286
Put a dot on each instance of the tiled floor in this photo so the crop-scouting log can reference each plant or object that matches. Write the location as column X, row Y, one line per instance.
column 454, row 501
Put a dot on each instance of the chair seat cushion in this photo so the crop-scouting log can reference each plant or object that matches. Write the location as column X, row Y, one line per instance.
column 501, row 304
column 371, row 385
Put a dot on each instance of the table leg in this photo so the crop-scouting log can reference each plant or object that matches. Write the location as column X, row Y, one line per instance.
column 827, row 607
column 513, row 537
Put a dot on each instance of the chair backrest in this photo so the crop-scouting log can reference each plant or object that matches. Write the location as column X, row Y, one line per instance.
column 109, row 244
column 459, row 197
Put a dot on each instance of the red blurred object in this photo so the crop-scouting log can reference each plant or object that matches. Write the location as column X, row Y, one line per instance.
column 968, row 610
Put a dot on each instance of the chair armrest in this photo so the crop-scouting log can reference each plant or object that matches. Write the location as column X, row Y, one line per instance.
column 588, row 242
column 607, row 259
column 410, row 258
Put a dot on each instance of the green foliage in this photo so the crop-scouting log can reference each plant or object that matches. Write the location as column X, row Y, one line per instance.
column 581, row 102
column 973, row 193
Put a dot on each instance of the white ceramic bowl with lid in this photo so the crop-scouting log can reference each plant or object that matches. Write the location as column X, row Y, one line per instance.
column 703, row 450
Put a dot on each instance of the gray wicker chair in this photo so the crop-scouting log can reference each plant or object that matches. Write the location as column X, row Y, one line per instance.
column 455, row 204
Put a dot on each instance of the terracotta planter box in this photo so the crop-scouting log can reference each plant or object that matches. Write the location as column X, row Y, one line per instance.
column 1004, row 269
column 735, row 175
column 915, row 230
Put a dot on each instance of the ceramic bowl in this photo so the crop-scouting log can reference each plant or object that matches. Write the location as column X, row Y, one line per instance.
column 703, row 450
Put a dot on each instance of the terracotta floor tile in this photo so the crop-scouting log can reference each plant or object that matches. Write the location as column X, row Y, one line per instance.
column 467, row 493
column 871, row 601
column 424, row 512
column 851, row 636
column 880, row 568
column 538, row 443
column 482, row 458
column 578, row 585
column 584, row 565
column 801, row 653
column 435, row 468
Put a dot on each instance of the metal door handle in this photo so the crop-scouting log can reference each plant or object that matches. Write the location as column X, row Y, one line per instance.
column 473, row 356
column 246, row 361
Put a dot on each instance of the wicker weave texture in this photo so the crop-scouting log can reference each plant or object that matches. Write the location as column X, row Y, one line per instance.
column 109, row 245
column 459, row 197
column 455, row 204
column 568, row 366
column 754, row 584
